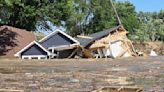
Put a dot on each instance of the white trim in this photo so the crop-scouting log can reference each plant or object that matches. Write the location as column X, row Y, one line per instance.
column 58, row 31
column 29, row 45
column 34, row 56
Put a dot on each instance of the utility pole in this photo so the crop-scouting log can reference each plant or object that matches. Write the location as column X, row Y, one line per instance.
column 119, row 21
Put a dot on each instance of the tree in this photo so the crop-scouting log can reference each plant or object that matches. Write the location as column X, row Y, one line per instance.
column 151, row 26
column 90, row 16
column 77, row 19
column 103, row 16
column 128, row 16
column 30, row 14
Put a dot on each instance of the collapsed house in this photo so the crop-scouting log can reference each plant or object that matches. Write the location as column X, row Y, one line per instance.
column 55, row 45
column 112, row 43
column 60, row 44
column 108, row 43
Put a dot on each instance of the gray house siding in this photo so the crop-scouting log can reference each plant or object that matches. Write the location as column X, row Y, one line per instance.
column 56, row 40
column 34, row 50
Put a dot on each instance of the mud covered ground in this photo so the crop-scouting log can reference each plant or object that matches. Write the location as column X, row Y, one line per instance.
column 81, row 75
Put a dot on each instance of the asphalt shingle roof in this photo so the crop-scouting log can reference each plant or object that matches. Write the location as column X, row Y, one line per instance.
column 85, row 42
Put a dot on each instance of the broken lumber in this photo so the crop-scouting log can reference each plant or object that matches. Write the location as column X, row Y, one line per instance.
column 82, row 36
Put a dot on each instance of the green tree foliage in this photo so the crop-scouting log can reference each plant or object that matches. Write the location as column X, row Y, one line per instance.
column 76, row 21
column 29, row 14
column 82, row 17
column 151, row 26
column 79, row 16
column 128, row 16
column 90, row 16
column 103, row 16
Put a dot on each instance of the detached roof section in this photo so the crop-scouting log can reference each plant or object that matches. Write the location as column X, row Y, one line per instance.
column 85, row 42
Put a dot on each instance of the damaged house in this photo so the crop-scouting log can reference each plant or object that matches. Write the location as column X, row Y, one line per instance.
column 111, row 43
column 60, row 44
column 55, row 45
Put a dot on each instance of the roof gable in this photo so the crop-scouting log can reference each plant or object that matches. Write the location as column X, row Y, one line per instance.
column 57, row 39
column 58, row 31
column 33, row 45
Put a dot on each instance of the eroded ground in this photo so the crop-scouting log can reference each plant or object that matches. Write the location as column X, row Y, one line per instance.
column 81, row 75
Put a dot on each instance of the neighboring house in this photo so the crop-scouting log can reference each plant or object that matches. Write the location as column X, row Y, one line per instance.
column 108, row 43
column 33, row 51
column 60, row 43
column 13, row 40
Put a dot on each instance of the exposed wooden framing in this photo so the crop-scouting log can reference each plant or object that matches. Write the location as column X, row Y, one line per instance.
column 57, row 55
column 104, row 42
column 122, row 53
column 119, row 34
column 119, row 89
column 86, row 53
column 130, row 47
column 117, row 31
column 82, row 36
column 63, row 47
column 100, row 53
column 11, row 90
column 73, row 53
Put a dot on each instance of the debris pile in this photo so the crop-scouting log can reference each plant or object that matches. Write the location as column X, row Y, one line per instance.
column 108, row 43
column 144, row 48
column 119, row 89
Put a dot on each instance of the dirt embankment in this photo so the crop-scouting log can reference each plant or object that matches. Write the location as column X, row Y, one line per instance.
column 146, row 47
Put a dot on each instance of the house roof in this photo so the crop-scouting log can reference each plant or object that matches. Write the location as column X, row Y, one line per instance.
column 29, row 45
column 59, row 31
column 85, row 42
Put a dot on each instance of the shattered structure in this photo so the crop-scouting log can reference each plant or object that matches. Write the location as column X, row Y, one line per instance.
column 108, row 43
column 112, row 43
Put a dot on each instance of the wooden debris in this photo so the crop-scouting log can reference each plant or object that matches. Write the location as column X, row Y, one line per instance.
column 105, row 42
column 63, row 47
column 11, row 90
column 82, row 36
column 119, row 89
